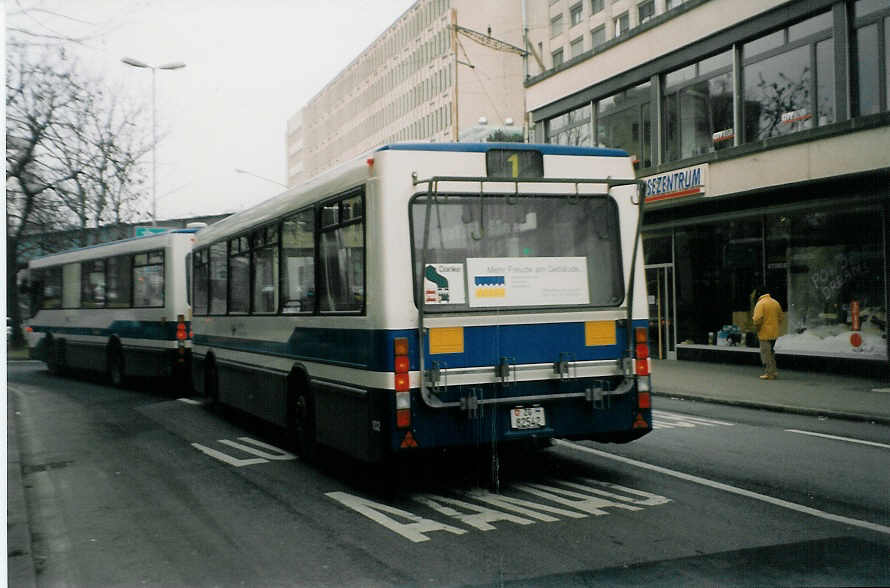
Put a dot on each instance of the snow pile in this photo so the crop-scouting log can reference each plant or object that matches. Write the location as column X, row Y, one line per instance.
column 833, row 342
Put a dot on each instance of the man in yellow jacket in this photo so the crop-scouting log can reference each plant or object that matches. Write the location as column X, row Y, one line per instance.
column 767, row 316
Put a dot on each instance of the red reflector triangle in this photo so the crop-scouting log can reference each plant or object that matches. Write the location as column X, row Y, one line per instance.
column 408, row 441
column 640, row 422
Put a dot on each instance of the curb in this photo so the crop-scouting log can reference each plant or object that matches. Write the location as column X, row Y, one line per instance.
column 849, row 416
column 19, row 559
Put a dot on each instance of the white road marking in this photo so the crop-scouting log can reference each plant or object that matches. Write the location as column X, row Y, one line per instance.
column 662, row 419
column 727, row 488
column 379, row 513
column 226, row 458
column 585, row 496
column 262, row 456
column 837, row 438
column 190, row 401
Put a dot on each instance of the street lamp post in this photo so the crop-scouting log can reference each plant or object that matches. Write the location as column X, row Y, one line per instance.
column 244, row 171
column 154, row 127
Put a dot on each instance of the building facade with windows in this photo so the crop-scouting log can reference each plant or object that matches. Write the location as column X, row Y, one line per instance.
column 762, row 131
column 418, row 81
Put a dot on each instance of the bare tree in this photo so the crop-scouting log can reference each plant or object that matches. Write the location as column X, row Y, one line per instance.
column 71, row 153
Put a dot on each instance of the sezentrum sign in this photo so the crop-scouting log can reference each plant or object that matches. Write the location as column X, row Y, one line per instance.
column 678, row 183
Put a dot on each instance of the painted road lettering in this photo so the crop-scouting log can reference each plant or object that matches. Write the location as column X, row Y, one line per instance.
column 263, row 452
column 670, row 420
column 380, row 513
column 480, row 509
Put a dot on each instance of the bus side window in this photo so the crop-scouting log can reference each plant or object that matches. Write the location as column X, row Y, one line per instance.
column 200, row 281
column 219, row 277
column 119, row 292
column 341, row 281
column 298, row 263
column 264, row 258
column 239, row 276
column 148, row 280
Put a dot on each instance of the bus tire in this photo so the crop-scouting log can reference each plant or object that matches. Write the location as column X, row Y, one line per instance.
column 211, row 382
column 116, row 372
column 55, row 357
column 301, row 418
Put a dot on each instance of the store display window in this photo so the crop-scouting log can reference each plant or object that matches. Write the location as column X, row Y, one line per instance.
column 832, row 263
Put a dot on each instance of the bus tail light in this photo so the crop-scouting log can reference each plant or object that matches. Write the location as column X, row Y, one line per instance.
column 641, row 363
column 181, row 336
column 181, row 332
column 642, row 368
column 401, row 368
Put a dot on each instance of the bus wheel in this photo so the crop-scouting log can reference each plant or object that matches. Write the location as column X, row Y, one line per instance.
column 302, row 425
column 211, row 383
column 116, row 368
column 55, row 357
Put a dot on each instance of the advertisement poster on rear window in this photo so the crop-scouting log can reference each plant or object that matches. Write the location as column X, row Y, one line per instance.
column 527, row 281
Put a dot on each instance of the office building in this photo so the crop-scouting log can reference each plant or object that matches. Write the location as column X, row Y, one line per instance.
column 762, row 131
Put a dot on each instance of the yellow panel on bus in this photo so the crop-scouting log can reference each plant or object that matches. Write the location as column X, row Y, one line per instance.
column 447, row 340
column 599, row 333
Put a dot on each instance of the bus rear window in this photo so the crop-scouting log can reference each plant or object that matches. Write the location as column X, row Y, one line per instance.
column 516, row 252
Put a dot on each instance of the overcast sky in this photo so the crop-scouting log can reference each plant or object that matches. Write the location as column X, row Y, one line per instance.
column 250, row 65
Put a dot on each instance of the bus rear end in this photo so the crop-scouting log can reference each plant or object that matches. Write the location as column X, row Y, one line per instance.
column 524, row 286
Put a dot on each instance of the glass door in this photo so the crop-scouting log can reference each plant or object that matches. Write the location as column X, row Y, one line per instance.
column 662, row 329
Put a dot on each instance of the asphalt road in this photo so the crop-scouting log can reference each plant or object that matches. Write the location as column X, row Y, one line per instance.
column 135, row 487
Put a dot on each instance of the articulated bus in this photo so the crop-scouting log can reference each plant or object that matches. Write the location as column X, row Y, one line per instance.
column 120, row 308
column 429, row 296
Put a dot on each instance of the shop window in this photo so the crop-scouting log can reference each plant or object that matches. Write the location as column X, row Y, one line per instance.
column 718, row 266
column 872, row 44
column 624, row 121
column 571, row 128
column 657, row 249
column 832, row 265
column 781, row 93
column 698, row 108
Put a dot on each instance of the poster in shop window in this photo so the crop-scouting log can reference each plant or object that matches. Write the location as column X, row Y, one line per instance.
column 527, row 281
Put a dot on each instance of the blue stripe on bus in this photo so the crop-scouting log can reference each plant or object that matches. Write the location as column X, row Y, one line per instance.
column 165, row 331
column 546, row 149
column 483, row 346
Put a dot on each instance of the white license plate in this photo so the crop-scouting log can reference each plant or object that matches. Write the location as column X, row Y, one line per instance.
column 527, row 417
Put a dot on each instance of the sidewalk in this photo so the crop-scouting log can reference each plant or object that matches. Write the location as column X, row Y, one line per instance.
column 838, row 396
column 20, row 563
